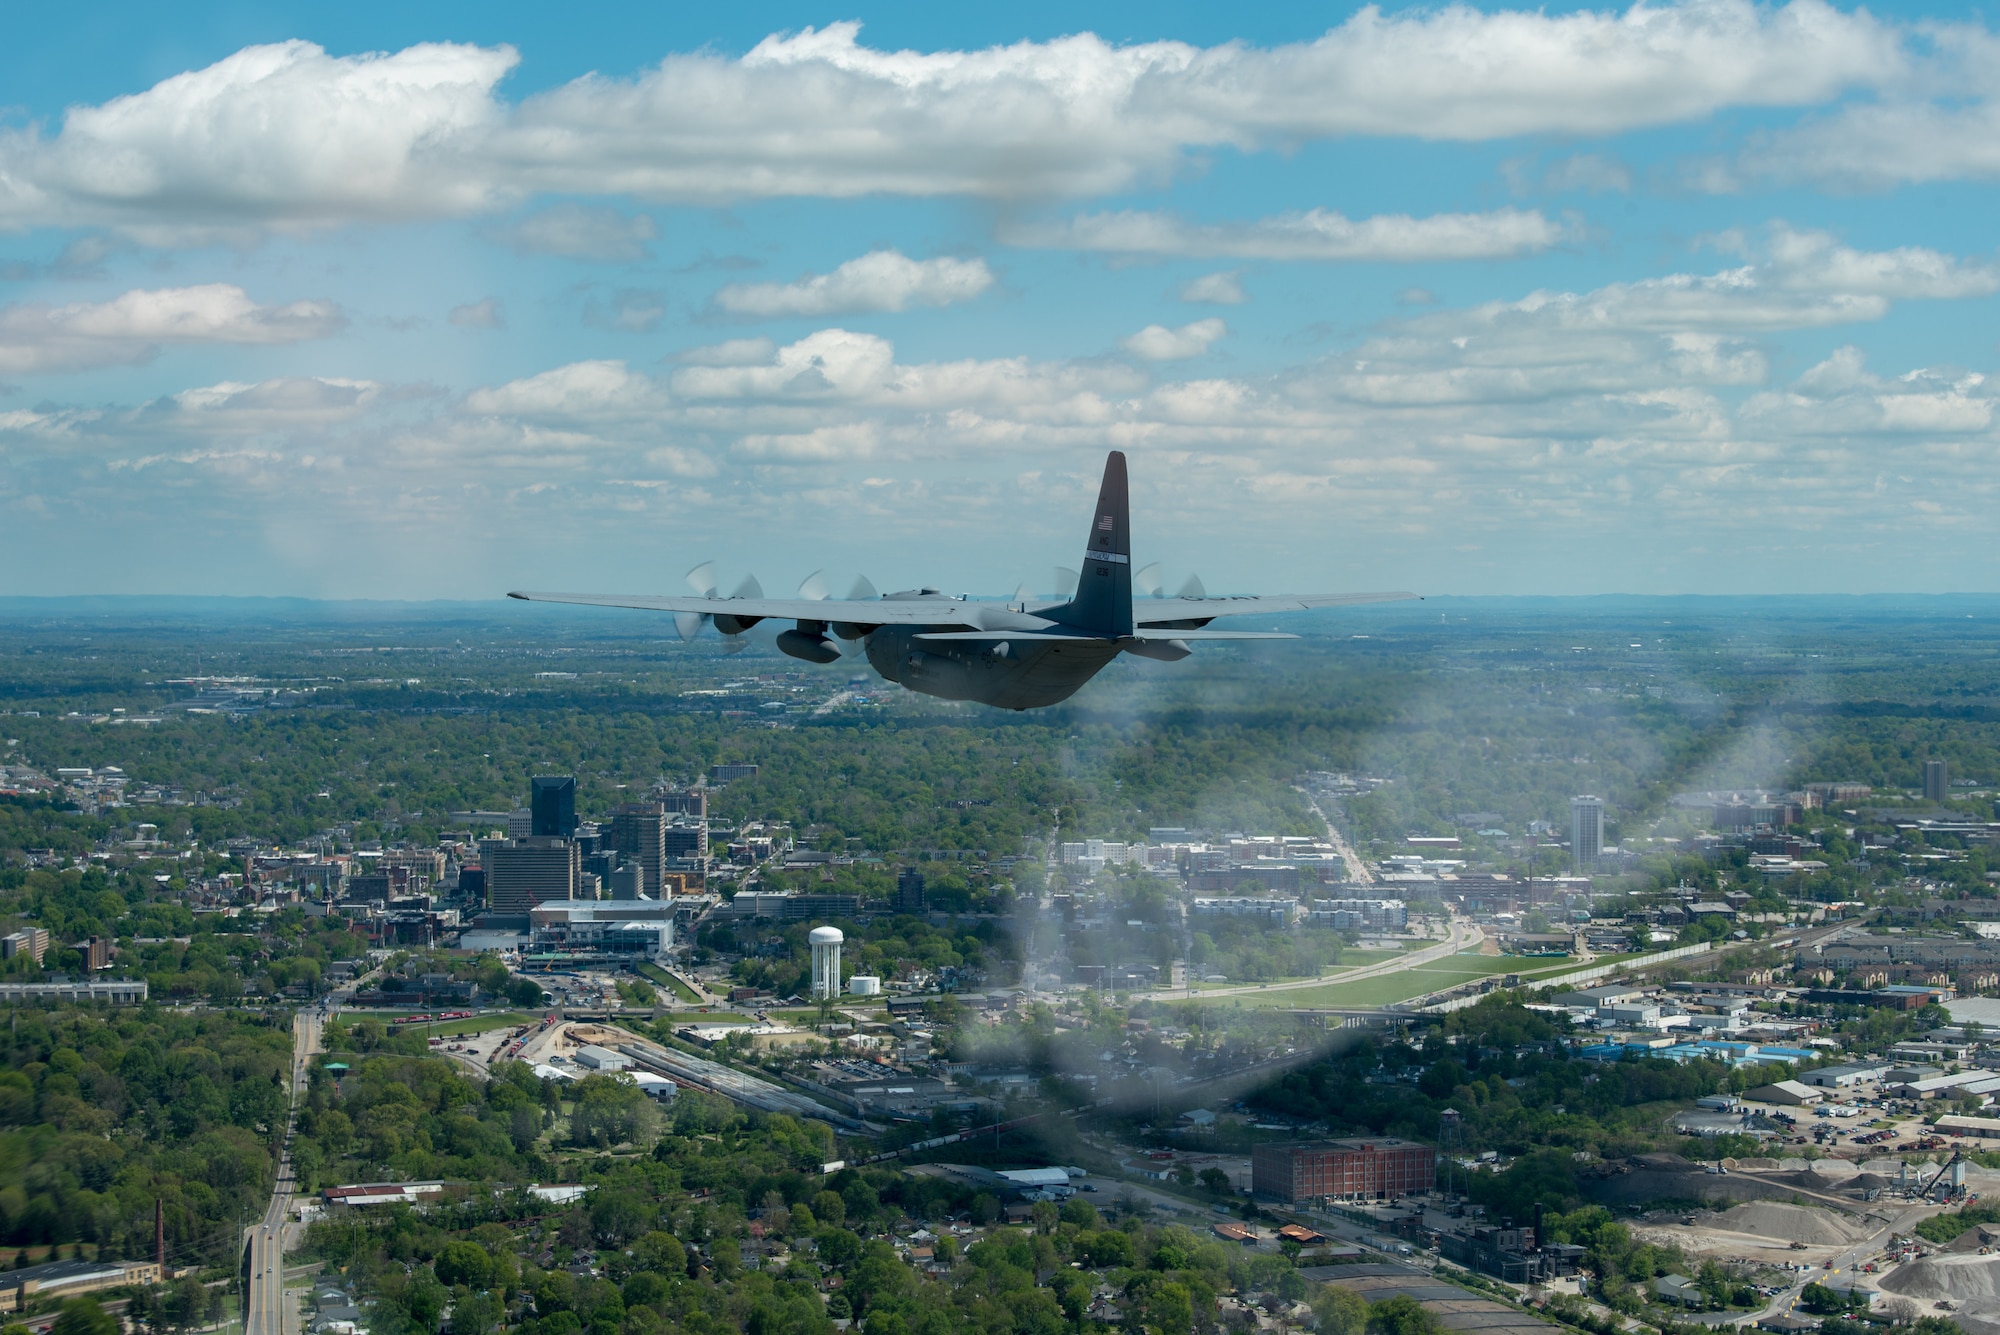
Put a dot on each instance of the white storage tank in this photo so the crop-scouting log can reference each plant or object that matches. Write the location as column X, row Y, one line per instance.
column 864, row 985
column 825, row 945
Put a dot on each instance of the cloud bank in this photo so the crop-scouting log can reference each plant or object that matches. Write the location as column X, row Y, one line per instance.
column 1312, row 235
column 134, row 327
column 291, row 136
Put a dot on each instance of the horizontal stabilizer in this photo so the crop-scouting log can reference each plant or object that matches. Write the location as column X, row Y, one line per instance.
column 1153, row 611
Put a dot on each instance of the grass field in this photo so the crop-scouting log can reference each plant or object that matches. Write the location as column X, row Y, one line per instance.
column 1349, row 959
column 1433, row 977
column 682, row 992
column 477, row 1024
column 1390, row 987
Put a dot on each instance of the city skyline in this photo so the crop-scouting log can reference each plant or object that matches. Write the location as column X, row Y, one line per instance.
column 1473, row 301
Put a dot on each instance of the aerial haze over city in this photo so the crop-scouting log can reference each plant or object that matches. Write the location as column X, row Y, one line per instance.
column 1169, row 671
column 397, row 304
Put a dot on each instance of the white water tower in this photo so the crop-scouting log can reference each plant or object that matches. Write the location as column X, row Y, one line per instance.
column 825, row 943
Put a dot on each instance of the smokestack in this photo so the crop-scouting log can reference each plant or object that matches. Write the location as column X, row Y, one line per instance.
column 1538, row 1223
column 160, row 1237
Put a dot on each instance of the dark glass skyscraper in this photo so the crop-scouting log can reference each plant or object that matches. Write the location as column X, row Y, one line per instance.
column 552, row 806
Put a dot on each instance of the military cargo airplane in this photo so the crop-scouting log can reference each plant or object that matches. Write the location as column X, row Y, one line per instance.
column 1014, row 655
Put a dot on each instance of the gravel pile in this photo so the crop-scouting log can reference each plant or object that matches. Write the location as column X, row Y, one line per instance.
column 1790, row 1223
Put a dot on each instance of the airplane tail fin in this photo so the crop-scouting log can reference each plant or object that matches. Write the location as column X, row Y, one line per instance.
column 1103, row 599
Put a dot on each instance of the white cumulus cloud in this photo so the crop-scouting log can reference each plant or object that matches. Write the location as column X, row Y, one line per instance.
column 288, row 135
column 581, row 390
column 1157, row 343
column 882, row 280
column 1316, row 234
column 132, row 327
column 272, row 134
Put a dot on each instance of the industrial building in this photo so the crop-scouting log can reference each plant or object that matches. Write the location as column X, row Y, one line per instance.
column 1343, row 1169
column 602, row 1059
column 117, row 991
column 68, row 1279
column 1508, row 1253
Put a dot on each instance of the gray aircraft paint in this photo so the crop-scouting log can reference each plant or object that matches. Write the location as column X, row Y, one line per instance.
column 1011, row 656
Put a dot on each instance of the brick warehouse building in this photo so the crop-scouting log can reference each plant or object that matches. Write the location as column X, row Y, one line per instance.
column 1348, row 1169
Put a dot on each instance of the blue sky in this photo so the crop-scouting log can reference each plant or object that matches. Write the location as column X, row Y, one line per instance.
column 412, row 302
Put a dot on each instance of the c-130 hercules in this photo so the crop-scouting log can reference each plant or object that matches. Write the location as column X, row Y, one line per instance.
column 1018, row 655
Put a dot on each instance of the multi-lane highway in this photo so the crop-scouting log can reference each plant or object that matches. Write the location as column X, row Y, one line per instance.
column 266, row 1311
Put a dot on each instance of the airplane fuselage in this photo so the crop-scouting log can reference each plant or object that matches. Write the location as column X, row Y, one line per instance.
column 1007, row 674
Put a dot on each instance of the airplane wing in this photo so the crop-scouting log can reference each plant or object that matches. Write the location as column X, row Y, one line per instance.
column 854, row 611
column 1074, row 637
column 1163, row 611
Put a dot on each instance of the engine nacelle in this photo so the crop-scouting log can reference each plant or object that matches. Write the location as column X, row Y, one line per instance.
column 1166, row 651
column 734, row 625
column 805, row 644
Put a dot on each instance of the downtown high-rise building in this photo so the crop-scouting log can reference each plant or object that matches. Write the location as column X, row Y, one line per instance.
column 1586, row 831
column 638, row 830
column 552, row 806
column 521, row 873
column 1937, row 781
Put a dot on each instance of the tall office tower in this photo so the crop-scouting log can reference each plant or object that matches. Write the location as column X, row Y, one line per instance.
column 909, row 891
column 552, row 806
column 600, row 864
column 521, row 873
column 694, row 803
column 520, row 823
column 1937, row 781
column 1586, row 831
column 687, row 840
column 639, row 830
column 825, row 945
column 628, row 881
